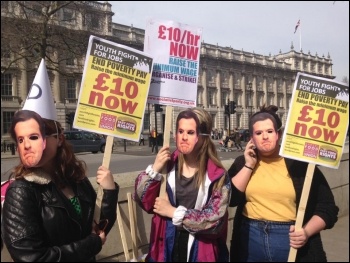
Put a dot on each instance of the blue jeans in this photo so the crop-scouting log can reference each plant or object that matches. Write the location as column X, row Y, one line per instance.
column 264, row 241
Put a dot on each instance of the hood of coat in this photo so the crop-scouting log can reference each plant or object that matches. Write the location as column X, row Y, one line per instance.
column 38, row 176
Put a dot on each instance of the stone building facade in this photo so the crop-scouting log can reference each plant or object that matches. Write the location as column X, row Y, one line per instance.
column 225, row 74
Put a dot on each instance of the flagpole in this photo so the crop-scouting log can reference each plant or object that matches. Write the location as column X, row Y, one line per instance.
column 300, row 37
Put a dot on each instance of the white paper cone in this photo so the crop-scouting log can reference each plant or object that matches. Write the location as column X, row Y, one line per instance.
column 40, row 98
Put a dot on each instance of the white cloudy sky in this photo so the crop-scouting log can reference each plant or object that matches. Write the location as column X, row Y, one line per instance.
column 263, row 27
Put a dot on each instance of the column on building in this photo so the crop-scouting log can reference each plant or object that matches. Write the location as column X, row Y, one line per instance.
column 14, row 85
column 56, row 82
column 56, row 87
column 284, row 88
column 265, row 89
column 231, row 94
column 108, row 17
column 245, row 98
column 204, row 85
column 77, row 87
column 218, row 87
column 275, row 91
column 231, row 86
column 244, row 90
column 255, row 94
column 218, row 97
column 23, row 90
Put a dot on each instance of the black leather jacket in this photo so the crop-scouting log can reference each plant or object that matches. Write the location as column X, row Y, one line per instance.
column 40, row 224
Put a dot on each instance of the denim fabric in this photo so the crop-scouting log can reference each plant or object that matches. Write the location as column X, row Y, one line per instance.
column 264, row 241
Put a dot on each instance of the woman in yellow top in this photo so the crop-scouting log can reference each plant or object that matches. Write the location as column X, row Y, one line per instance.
column 266, row 188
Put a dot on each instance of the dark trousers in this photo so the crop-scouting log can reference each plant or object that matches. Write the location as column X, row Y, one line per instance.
column 153, row 143
column 180, row 246
column 238, row 144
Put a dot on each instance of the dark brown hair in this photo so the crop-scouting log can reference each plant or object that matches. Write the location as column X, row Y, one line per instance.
column 69, row 168
column 266, row 112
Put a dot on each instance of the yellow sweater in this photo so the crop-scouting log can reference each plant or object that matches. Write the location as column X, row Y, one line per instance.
column 270, row 193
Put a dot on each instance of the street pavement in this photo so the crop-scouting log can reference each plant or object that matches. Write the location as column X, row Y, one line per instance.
column 335, row 240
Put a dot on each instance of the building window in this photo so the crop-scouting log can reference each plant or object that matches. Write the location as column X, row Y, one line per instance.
column 71, row 91
column 213, row 117
column 289, row 99
column 224, row 98
column 70, row 61
column 211, row 76
column 280, row 101
column 34, row 10
column 5, row 50
column 260, row 99
column 6, row 84
column 68, row 15
column 7, row 117
column 92, row 20
column 249, row 99
column 312, row 67
column 212, row 100
column 239, row 100
column 320, row 69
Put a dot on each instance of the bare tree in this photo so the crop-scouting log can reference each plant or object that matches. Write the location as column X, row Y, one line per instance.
column 38, row 29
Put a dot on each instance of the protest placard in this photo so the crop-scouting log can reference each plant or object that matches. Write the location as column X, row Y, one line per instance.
column 113, row 95
column 175, row 48
column 114, row 90
column 317, row 122
column 315, row 131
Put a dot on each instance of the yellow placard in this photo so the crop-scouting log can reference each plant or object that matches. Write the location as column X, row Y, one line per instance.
column 317, row 121
column 114, row 90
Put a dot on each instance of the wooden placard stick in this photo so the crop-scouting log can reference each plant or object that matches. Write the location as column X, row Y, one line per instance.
column 105, row 162
column 122, row 234
column 166, row 142
column 302, row 206
column 132, row 218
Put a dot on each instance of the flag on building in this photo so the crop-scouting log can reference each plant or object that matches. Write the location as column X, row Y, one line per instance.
column 296, row 27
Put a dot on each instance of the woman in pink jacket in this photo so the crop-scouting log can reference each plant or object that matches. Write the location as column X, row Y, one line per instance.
column 190, row 220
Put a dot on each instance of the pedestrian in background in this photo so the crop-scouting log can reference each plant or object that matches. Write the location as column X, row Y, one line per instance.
column 142, row 140
column 237, row 140
column 266, row 188
column 190, row 223
column 154, row 139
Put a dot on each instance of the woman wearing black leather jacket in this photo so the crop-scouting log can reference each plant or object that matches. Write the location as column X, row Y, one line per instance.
column 49, row 207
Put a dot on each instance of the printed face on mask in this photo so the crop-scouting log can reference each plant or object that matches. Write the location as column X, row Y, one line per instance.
column 30, row 142
column 186, row 136
column 265, row 137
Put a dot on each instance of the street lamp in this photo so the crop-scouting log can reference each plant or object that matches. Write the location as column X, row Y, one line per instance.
column 251, row 99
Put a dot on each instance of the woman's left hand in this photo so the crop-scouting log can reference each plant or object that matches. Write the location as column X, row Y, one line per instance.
column 297, row 238
column 104, row 178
